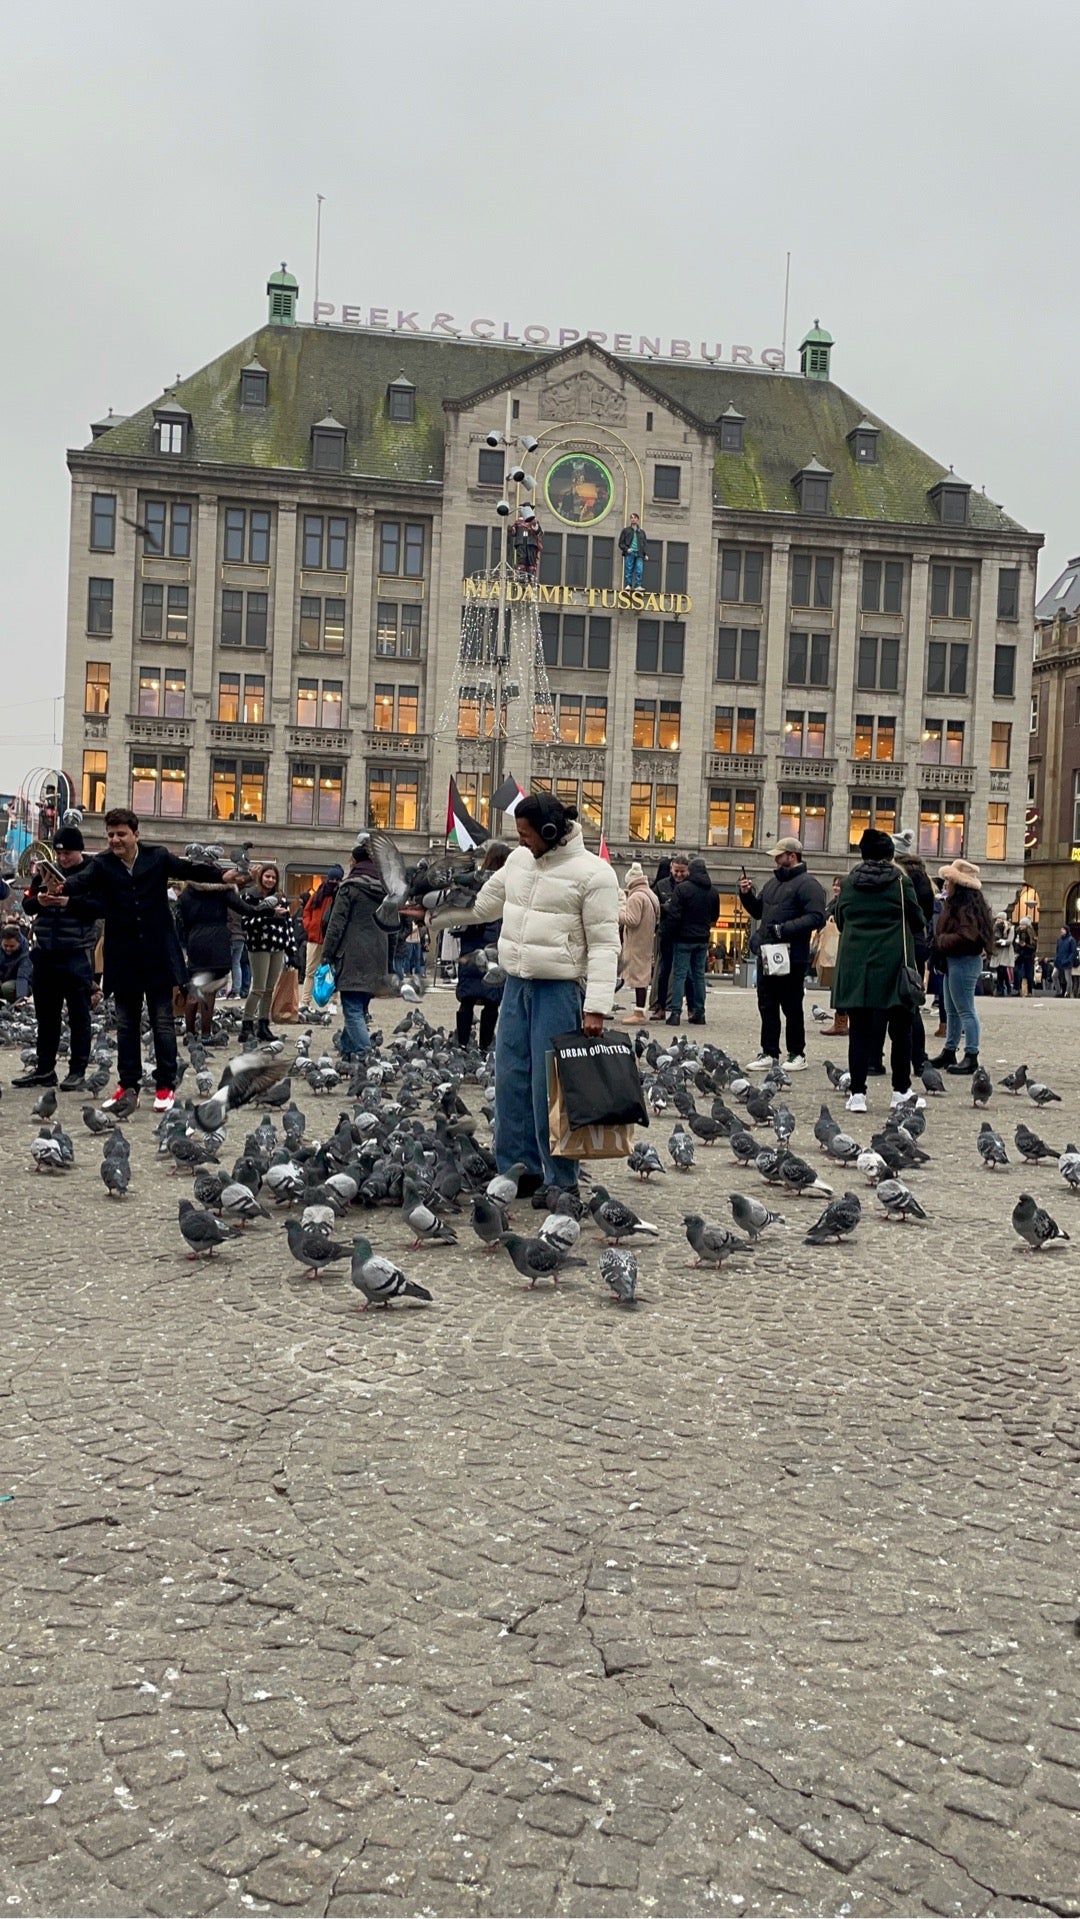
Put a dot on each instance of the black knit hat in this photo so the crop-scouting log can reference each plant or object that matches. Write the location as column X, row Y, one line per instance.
column 69, row 840
column 876, row 846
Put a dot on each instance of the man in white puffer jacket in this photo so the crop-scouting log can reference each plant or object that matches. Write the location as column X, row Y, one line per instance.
column 559, row 907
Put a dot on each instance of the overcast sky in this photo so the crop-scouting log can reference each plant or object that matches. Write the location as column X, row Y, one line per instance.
column 638, row 166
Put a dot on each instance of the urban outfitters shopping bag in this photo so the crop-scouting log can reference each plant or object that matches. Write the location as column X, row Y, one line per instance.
column 599, row 1080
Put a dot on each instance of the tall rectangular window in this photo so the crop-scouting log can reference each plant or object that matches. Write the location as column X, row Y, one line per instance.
column 103, row 522
column 96, row 694
column 732, row 816
column 1008, row 598
column 741, row 574
column 1000, row 745
column 1004, row 672
column 94, row 770
column 99, row 607
column 997, row 828
column 882, row 586
column 737, row 653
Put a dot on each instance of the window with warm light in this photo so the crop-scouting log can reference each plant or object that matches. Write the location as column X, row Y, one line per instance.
column 96, row 693
column 997, row 829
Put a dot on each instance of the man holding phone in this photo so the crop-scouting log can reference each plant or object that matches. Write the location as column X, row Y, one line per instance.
column 62, row 965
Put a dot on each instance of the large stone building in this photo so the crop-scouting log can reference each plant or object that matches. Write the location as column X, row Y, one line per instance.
column 269, row 566
column 1053, row 864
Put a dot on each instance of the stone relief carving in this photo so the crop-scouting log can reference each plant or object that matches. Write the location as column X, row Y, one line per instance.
column 582, row 396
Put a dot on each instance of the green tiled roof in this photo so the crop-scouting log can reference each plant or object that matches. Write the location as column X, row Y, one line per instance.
column 320, row 371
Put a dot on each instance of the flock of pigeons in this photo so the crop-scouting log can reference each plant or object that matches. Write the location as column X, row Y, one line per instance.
column 407, row 1141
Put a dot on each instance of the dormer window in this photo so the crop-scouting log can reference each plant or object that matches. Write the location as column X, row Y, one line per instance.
column 401, row 401
column 254, row 385
column 952, row 498
column 328, row 446
column 731, row 431
column 812, row 486
column 172, row 429
column 863, row 441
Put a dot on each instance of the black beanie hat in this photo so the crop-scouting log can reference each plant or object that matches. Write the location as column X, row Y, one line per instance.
column 875, row 845
column 69, row 840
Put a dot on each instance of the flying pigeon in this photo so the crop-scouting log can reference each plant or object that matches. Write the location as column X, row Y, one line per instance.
column 538, row 1258
column 615, row 1220
column 837, row 1222
column 618, row 1269
column 1034, row 1224
column 380, row 1280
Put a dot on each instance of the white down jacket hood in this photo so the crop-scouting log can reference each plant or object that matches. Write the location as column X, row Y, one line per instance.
column 560, row 918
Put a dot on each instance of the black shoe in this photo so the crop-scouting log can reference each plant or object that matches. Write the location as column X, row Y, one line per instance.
column 35, row 1079
column 946, row 1057
column 74, row 1083
column 968, row 1064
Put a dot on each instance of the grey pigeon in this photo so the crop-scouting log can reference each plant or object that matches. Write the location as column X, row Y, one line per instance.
column 1069, row 1166
column 644, row 1160
column 116, row 1174
column 618, row 1269
column 837, row 1222
column 313, row 1249
column 490, row 1221
column 982, row 1086
column 1034, row 1224
column 681, row 1148
column 615, row 1220
column 1015, row 1081
column 538, row 1258
column 379, row 1279
column 898, row 1201
column 991, row 1147
column 1032, row 1148
column 1041, row 1094
column 751, row 1217
column 202, row 1231
column 712, row 1243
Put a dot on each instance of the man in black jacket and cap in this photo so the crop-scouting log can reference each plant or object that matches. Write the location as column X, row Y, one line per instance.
column 129, row 888
column 693, row 911
column 790, row 906
column 62, row 970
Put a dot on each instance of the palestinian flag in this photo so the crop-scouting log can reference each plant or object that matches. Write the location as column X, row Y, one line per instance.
column 461, row 828
column 508, row 795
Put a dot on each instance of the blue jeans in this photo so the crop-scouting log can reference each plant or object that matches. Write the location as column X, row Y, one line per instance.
column 633, row 566
column 688, row 962
column 958, row 992
column 241, row 970
column 354, row 1011
column 533, row 1013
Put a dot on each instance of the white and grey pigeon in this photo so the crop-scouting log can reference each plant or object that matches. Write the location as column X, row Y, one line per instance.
column 618, row 1269
column 1034, row 1224
column 751, row 1217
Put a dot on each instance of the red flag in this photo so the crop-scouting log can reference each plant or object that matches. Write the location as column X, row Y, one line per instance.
column 603, row 852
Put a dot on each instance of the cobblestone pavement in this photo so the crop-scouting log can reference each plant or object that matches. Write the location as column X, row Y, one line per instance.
column 760, row 1599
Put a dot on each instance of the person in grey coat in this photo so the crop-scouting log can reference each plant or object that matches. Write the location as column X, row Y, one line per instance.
column 355, row 945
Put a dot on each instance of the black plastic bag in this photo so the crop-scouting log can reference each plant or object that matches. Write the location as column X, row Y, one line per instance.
column 599, row 1080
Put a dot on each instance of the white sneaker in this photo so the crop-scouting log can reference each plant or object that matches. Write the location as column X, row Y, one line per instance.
column 796, row 1065
column 761, row 1064
column 905, row 1099
column 164, row 1099
column 856, row 1102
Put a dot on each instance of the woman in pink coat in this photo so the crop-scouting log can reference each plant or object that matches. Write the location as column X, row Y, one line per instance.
column 638, row 917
